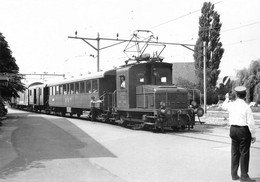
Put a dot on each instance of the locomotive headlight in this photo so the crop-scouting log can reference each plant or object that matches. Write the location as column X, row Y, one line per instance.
column 162, row 104
column 199, row 111
column 166, row 112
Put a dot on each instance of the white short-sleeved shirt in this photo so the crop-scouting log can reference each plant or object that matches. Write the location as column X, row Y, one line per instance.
column 240, row 114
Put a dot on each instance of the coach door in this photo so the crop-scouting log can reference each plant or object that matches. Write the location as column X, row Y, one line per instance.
column 34, row 96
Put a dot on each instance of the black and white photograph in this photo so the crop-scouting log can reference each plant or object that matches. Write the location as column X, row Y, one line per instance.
column 129, row 91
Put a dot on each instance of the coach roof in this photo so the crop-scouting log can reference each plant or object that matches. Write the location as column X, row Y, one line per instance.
column 96, row 75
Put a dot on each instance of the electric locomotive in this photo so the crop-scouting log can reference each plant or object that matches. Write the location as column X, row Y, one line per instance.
column 149, row 99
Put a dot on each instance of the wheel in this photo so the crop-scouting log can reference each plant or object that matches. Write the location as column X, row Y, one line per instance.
column 78, row 115
column 175, row 128
column 159, row 129
column 183, row 127
column 123, row 122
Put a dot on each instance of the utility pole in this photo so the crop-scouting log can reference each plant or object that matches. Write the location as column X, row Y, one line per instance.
column 204, row 78
column 98, row 53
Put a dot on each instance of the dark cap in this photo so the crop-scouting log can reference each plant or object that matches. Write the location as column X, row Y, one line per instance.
column 240, row 89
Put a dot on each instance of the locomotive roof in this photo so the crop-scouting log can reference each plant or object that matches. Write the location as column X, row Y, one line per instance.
column 96, row 75
column 129, row 66
column 142, row 63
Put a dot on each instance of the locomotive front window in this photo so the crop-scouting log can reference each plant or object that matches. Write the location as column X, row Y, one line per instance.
column 140, row 78
column 164, row 79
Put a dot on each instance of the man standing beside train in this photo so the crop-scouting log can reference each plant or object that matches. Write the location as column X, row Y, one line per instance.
column 242, row 133
column 93, row 110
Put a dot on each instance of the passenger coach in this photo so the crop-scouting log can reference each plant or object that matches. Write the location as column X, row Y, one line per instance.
column 73, row 96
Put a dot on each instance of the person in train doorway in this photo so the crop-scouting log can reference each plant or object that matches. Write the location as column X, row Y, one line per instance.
column 93, row 110
column 122, row 82
column 242, row 132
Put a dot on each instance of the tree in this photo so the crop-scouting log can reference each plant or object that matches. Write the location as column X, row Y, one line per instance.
column 209, row 32
column 250, row 78
column 225, row 87
column 8, row 67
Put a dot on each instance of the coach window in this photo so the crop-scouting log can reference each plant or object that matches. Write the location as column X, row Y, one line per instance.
column 94, row 86
column 88, row 86
column 53, row 90
column 64, row 89
column 60, row 89
column 50, row 90
column 81, row 87
column 72, row 88
column 76, row 87
column 57, row 90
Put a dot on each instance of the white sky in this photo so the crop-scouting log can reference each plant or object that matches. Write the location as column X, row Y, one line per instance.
column 37, row 31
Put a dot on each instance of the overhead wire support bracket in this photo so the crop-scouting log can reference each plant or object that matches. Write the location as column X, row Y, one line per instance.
column 120, row 41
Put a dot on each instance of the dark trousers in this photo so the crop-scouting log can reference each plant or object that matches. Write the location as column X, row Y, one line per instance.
column 94, row 112
column 240, row 149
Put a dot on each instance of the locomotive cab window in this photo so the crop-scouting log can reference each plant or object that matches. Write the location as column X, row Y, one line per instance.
column 140, row 78
column 122, row 81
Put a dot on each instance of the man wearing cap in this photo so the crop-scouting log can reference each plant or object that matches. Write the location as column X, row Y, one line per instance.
column 93, row 110
column 242, row 133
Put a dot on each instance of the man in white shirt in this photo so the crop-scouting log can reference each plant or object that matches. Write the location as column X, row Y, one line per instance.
column 242, row 133
column 93, row 110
